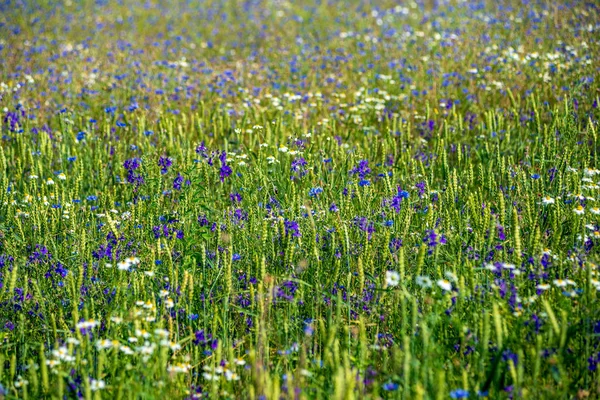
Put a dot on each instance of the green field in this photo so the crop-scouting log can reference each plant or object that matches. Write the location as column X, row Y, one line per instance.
column 271, row 199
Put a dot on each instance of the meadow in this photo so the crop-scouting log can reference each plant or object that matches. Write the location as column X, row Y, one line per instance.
column 271, row 199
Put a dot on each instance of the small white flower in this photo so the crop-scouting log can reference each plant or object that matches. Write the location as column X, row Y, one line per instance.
column 180, row 367
column 579, row 210
column 21, row 382
column 591, row 172
column 283, row 149
column 543, row 286
column 133, row 260
column 61, row 176
column 123, row 266
column 560, row 283
column 163, row 333
column 444, row 284
column 392, row 278
column 210, row 377
column 231, row 376
column 423, row 281
column 595, row 210
column 49, row 182
column 96, row 385
column 547, row 200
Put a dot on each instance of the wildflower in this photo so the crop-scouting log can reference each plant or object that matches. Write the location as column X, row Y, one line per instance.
column 390, row 386
column 96, row 385
column 133, row 260
column 432, row 238
column 104, row 344
column 180, row 367
column 164, row 163
column 291, row 227
column 178, row 182
column 560, row 283
column 126, row 349
column 459, row 394
column 123, row 266
column 49, row 182
column 225, row 170
column 163, row 333
column 543, row 286
column 169, row 303
column 361, row 169
column 20, row 382
column 595, row 210
column 210, row 377
column 547, row 200
column 86, row 325
column 392, row 278
column 314, row 192
column 231, row 376
column 444, row 284
column 579, row 210
column 423, row 281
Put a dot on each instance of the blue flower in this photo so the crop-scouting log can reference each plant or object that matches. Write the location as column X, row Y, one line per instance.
column 364, row 182
column 314, row 192
column 390, row 386
column 459, row 394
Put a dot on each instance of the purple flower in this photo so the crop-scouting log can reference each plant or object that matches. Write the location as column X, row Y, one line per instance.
column 178, row 182
column 225, row 170
column 432, row 238
column 164, row 162
column 132, row 164
column 396, row 201
column 291, row 227
column 361, row 169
